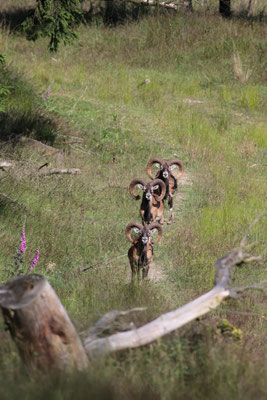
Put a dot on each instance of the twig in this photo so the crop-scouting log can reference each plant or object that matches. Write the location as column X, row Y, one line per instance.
column 110, row 187
column 257, row 165
column 77, row 101
column 57, row 171
column 73, row 142
column 13, row 201
column 253, row 314
column 109, row 260
column 238, row 291
column 81, row 149
column 44, row 165
column 244, row 238
column 70, row 136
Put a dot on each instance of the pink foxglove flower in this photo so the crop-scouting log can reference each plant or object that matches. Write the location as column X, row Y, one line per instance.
column 22, row 242
column 47, row 94
column 35, row 260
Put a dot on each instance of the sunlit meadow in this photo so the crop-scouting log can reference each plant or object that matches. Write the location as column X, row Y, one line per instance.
column 191, row 86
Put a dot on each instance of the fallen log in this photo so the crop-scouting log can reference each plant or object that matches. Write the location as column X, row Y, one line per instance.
column 46, row 337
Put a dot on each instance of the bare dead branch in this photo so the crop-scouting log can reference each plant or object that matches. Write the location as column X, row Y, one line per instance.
column 161, row 326
column 238, row 291
column 13, row 201
column 112, row 321
column 110, row 187
column 58, row 171
column 80, row 149
column 164, row 4
column 236, row 312
column 77, row 101
column 244, row 238
column 109, row 260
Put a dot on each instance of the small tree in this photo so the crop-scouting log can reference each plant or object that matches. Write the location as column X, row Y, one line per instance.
column 54, row 19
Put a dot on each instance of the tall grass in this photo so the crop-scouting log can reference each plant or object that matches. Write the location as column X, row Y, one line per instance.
column 106, row 122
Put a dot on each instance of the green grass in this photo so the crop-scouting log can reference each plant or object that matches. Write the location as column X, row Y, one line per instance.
column 103, row 121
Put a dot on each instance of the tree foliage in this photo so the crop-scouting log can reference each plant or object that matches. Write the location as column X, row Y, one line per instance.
column 54, row 19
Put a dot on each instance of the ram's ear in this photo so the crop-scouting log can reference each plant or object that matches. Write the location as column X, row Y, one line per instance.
column 155, row 187
column 137, row 230
column 172, row 167
column 157, row 165
column 141, row 186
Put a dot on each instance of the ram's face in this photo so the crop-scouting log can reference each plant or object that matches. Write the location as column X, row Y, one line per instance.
column 165, row 170
column 148, row 190
column 145, row 238
column 144, row 234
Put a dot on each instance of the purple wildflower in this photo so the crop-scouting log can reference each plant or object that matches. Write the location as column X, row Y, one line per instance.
column 47, row 94
column 22, row 242
column 35, row 260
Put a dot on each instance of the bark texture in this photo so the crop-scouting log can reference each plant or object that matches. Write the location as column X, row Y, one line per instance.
column 39, row 325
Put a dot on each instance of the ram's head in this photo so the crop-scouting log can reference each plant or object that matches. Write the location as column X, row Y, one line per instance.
column 165, row 167
column 144, row 232
column 150, row 189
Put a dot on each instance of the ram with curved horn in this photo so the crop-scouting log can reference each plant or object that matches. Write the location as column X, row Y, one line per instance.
column 167, row 177
column 140, row 253
column 152, row 207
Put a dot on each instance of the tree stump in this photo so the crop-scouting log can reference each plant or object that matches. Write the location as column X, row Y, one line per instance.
column 40, row 326
column 225, row 8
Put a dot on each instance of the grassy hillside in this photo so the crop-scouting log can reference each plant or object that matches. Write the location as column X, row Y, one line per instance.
column 206, row 104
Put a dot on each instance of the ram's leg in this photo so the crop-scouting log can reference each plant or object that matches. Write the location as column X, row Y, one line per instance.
column 142, row 214
column 161, row 221
column 171, row 216
column 138, row 275
column 134, row 271
column 145, row 272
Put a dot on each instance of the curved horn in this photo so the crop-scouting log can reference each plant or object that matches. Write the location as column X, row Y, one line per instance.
column 129, row 227
column 132, row 185
column 150, row 163
column 180, row 165
column 156, row 225
column 163, row 189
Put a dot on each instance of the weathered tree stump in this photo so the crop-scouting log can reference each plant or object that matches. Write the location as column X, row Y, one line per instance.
column 39, row 325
